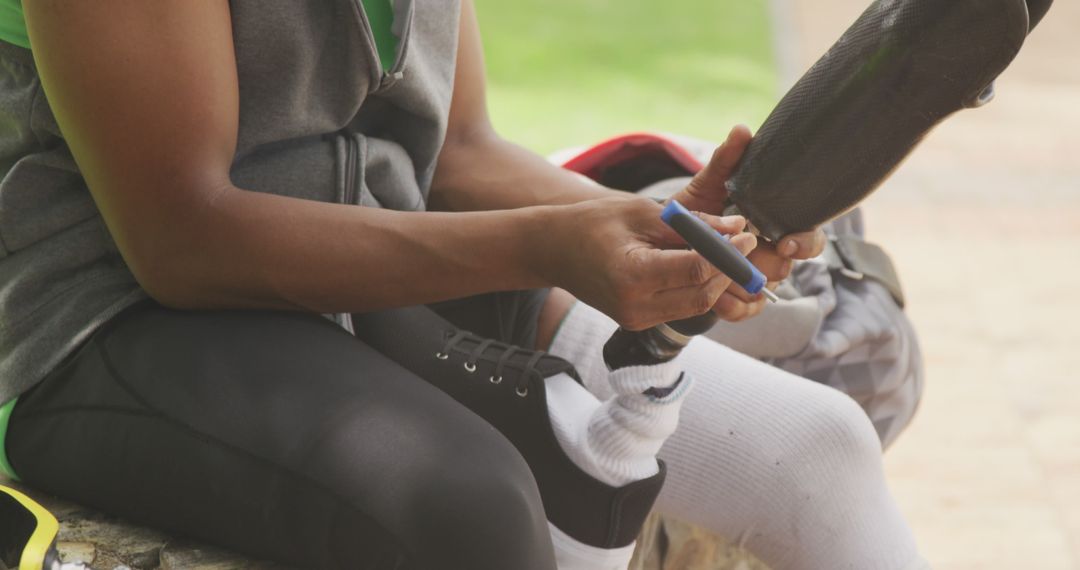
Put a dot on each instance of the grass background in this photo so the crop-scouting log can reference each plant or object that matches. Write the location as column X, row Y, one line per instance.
column 571, row 72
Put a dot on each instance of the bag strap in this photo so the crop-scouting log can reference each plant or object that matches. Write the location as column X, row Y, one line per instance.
column 859, row 259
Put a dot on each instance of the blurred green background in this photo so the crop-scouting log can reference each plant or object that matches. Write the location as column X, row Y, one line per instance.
column 572, row 72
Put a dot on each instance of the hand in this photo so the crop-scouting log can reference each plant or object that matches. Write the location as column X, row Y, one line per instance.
column 776, row 263
column 707, row 193
column 618, row 256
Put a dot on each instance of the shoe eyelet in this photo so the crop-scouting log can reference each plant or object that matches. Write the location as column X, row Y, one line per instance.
column 441, row 356
column 470, row 366
column 495, row 379
column 522, row 391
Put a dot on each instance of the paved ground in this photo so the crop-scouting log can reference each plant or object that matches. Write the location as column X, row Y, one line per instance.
column 984, row 221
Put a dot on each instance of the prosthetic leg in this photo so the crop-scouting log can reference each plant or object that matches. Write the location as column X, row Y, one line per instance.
column 898, row 71
column 902, row 67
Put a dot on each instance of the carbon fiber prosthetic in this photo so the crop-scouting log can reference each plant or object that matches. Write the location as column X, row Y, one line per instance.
column 899, row 70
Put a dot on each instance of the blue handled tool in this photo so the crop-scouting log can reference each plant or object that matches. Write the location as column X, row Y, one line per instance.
column 715, row 247
column 665, row 341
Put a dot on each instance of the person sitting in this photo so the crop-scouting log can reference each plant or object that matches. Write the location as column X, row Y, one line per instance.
column 192, row 186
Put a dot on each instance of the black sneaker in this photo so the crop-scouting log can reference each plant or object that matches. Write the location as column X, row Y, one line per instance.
column 505, row 385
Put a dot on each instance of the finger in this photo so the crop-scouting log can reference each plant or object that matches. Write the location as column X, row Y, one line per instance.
column 694, row 272
column 727, row 156
column 685, row 302
column 664, row 235
column 733, row 309
column 745, row 243
column 708, row 184
column 774, row 266
column 662, row 269
column 726, row 225
column 802, row 245
column 739, row 293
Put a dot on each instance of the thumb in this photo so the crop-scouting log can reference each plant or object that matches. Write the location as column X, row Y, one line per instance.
column 725, row 158
column 745, row 242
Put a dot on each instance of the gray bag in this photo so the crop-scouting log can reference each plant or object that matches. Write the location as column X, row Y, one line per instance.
column 842, row 324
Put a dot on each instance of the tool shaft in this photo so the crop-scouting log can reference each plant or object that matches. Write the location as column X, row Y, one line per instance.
column 715, row 247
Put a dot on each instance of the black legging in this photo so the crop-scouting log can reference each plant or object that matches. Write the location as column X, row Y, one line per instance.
column 282, row 436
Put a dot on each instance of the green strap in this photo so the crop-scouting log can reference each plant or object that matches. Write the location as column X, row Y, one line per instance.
column 380, row 15
column 5, row 415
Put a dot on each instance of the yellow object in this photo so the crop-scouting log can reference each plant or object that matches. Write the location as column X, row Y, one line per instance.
column 41, row 535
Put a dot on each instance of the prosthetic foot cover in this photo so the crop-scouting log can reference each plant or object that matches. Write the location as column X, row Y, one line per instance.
column 594, row 462
column 901, row 68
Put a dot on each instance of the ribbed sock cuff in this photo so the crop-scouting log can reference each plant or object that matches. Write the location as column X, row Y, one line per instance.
column 628, row 430
column 636, row 380
column 573, row 555
column 580, row 341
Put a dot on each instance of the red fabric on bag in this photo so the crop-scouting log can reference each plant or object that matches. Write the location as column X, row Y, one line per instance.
column 634, row 148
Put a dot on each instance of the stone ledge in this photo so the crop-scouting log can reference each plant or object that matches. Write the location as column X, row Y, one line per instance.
column 104, row 542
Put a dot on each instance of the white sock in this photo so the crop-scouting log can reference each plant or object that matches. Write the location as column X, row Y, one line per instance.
column 615, row 441
column 573, row 555
column 786, row 467
column 580, row 340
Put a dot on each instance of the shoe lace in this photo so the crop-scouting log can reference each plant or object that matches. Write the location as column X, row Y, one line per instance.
column 453, row 338
column 503, row 359
column 470, row 364
column 507, row 351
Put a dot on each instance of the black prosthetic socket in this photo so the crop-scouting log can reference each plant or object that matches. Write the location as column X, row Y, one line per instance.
column 1036, row 10
column 505, row 385
column 901, row 68
column 656, row 345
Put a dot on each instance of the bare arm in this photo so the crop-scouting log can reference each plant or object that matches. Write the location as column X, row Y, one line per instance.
column 146, row 95
column 480, row 170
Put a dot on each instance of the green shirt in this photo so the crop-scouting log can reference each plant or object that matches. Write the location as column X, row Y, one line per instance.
column 380, row 15
column 12, row 26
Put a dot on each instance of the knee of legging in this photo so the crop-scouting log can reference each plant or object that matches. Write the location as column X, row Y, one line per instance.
column 832, row 438
column 483, row 511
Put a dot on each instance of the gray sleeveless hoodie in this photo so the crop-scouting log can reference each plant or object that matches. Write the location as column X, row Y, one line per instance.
column 319, row 119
